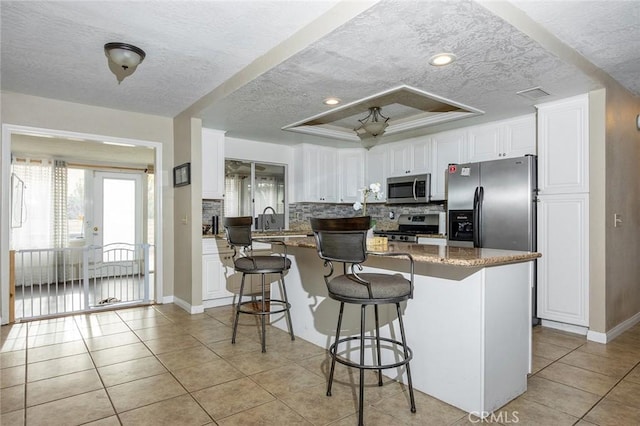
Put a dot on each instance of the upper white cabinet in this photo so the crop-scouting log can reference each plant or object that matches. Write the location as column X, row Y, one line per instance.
column 448, row 148
column 316, row 177
column 212, row 164
column 563, row 146
column 351, row 169
column 410, row 157
column 376, row 169
column 503, row 139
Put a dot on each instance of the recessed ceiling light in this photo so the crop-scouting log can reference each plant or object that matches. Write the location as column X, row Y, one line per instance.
column 442, row 59
column 331, row 101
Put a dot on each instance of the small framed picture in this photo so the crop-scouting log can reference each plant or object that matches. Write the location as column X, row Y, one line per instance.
column 182, row 175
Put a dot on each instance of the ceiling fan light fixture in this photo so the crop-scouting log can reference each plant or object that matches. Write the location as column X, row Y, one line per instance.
column 442, row 59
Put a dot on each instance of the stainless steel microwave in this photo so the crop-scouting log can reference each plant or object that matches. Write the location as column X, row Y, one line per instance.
column 413, row 189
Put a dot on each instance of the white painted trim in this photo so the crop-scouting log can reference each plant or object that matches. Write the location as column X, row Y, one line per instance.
column 198, row 309
column 167, row 299
column 577, row 329
column 5, row 166
column 615, row 331
column 213, row 303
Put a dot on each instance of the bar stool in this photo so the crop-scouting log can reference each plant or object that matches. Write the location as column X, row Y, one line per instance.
column 238, row 230
column 343, row 240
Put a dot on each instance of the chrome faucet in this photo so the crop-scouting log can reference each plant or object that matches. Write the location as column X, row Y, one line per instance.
column 265, row 225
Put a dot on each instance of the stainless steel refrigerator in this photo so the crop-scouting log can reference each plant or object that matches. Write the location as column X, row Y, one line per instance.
column 492, row 204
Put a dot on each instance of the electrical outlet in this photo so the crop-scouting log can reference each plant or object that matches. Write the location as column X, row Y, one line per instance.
column 617, row 220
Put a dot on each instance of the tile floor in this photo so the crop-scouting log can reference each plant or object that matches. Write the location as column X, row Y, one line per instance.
column 159, row 365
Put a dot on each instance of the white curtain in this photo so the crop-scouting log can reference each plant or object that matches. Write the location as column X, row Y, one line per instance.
column 35, row 232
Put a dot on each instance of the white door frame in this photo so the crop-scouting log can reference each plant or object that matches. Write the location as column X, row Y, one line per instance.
column 5, row 164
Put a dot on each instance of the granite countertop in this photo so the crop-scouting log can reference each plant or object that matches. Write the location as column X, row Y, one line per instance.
column 266, row 234
column 443, row 255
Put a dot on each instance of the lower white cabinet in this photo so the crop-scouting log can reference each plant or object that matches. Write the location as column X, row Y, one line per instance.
column 563, row 269
column 217, row 263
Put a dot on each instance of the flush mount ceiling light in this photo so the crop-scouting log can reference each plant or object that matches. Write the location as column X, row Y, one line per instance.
column 331, row 101
column 125, row 57
column 372, row 126
column 442, row 59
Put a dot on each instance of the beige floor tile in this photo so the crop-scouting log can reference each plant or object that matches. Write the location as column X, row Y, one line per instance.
column 213, row 334
column 271, row 413
column 316, row 407
column 14, row 344
column 549, row 350
column 53, row 338
column 559, row 338
column 538, row 363
column 584, row 423
column 149, row 390
column 580, row 378
column 14, row 418
column 612, row 413
column 39, row 327
column 207, row 374
column 372, row 417
column 13, row 359
column 627, row 393
column 290, row 378
column 182, row 410
column 227, row 350
column 613, row 367
column 153, row 321
column 12, row 376
column 56, row 351
column 98, row 330
column 190, row 357
column 107, row 421
column 609, row 351
column 62, row 386
column 233, row 397
column 120, row 354
column 634, row 375
column 58, row 367
column 12, row 399
column 293, row 350
column 429, row 410
column 138, row 313
column 111, row 341
column 564, row 398
column 13, row 331
column 255, row 362
column 158, row 332
column 170, row 344
column 128, row 371
column 523, row 411
column 97, row 318
column 71, row 411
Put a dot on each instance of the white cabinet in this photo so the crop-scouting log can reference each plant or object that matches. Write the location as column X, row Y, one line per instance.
column 212, row 164
column 316, row 174
column 504, row 139
column 410, row 157
column 217, row 262
column 563, row 269
column 351, row 168
column 563, row 146
column 376, row 169
column 447, row 148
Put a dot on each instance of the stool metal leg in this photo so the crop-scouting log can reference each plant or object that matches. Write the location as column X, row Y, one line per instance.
column 361, row 393
column 406, row 354
column 263, row 316
column 335, row 349
column 235, row 321
column 378, row 344
column 286, row 301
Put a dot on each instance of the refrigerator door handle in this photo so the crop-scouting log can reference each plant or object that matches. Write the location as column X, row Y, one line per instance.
column 476, row 228
column 479, row 221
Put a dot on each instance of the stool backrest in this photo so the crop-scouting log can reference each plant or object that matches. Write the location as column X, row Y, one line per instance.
column 238, row 230
column 342, row 239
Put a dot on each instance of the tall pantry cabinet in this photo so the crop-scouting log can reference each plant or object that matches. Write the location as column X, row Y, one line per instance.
column 563, row 211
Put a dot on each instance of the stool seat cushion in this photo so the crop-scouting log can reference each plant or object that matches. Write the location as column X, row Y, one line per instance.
column 254, row 264
column 383, row 286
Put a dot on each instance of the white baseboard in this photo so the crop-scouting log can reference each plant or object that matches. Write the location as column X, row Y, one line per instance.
column 167, row 300
column 577, row 329
column 224, row 301
column 615, row 331
column 187, row 306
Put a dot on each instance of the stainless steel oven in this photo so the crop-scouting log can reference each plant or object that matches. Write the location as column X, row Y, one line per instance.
column 413, row 189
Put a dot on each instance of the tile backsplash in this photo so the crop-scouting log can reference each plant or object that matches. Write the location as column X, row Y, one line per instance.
column 300, row 213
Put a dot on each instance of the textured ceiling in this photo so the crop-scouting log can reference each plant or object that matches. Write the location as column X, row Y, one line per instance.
column 252, row 67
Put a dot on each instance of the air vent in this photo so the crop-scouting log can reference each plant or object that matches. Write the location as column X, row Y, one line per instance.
column 534, row 93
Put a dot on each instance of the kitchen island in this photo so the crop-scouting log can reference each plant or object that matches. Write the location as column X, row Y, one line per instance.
column 468, row 324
